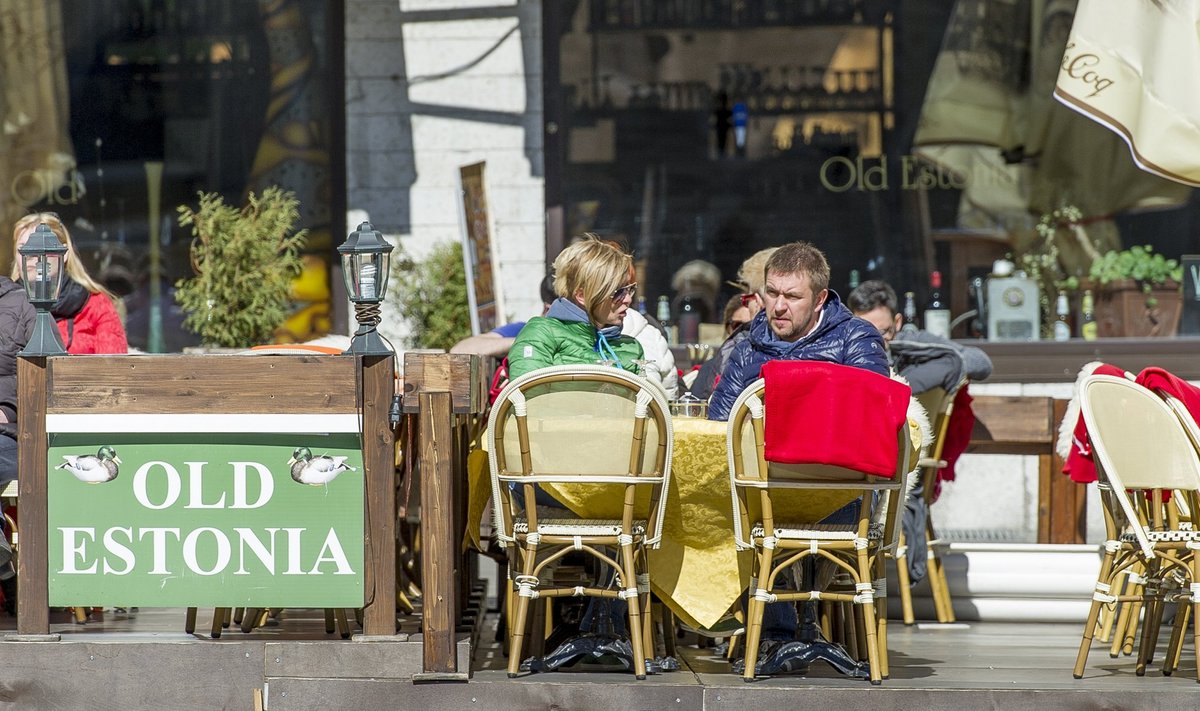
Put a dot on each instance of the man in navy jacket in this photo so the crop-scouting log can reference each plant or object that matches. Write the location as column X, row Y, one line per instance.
column 802, row 319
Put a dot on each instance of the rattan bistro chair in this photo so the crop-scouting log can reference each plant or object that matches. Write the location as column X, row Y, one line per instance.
column 761, row 523
column 579, row 427
column 1141, row 449
column 939, row 404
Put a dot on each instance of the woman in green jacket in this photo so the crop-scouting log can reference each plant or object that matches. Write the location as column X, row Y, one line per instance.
column 595, row 286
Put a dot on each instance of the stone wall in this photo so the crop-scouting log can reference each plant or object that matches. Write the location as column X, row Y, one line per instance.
column 433, row 85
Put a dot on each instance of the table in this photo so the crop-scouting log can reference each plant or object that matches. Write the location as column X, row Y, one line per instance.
column 696, row 571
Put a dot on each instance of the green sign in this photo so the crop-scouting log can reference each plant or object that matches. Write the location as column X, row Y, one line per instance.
column 205, row 520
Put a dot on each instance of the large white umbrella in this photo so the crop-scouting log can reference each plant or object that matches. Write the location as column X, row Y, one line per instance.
column 1134, row 66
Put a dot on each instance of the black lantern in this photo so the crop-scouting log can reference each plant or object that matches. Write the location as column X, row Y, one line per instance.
column 366, row 262
column 42, row 259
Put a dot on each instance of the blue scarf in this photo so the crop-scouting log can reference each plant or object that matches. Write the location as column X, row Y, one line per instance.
column 566, row 310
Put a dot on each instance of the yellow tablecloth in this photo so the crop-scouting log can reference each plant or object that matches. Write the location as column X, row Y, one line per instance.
column 696, row 571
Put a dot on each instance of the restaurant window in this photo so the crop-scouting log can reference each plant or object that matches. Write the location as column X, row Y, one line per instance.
column 126, row 109
column 900, row 138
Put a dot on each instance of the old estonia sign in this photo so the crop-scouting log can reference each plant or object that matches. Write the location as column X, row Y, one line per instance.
column 205, row 510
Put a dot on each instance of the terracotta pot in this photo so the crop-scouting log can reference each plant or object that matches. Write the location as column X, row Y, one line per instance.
column 1123, row 310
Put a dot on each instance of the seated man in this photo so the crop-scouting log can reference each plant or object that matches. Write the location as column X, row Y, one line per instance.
column 923, row 359
column 926, row 361
column 801, row 319
column 499, row 340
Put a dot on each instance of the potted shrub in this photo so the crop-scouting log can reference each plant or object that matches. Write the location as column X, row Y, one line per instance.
column 245, row 261
column 1137, row 293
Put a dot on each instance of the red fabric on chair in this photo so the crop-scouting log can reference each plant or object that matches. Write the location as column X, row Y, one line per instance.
column 1079, row 464
column 824, row 413
column 958, row 436
column 1160, row 380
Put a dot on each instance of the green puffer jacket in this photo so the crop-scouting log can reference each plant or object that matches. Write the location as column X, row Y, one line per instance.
column 546, row 341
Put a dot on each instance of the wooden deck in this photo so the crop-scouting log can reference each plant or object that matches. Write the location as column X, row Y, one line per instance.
column 144, row 660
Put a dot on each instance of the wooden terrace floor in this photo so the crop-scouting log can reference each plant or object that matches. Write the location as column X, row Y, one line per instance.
column 145, row 660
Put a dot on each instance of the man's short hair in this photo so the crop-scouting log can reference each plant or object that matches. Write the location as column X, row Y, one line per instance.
column 800, row 258
column 872, row 294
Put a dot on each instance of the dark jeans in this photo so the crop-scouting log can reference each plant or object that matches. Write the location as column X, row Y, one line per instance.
column 8, row 460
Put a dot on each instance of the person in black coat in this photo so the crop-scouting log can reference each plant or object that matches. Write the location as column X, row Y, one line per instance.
column 16, row 326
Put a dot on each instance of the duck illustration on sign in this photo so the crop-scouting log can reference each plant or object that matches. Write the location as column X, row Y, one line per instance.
column 318, row 470
column 93, row 468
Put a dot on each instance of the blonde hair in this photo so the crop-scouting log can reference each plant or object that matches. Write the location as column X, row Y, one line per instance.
column 74, row 265
column 753, row 272
column 594, row 268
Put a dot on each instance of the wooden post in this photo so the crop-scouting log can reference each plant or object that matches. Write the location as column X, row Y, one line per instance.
column 378, row 388
column 444, row 390
column 439, row 559
column 33, row 602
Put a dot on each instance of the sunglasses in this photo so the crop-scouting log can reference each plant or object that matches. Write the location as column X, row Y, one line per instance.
column 625, row 292
column 735, row 325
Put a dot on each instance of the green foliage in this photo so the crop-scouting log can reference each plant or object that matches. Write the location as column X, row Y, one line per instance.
column 245, row 261
column 432, row 295
column 1140, row 263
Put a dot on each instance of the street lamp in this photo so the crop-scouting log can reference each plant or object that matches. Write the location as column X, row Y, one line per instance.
column 365, row 265
column 43, row 255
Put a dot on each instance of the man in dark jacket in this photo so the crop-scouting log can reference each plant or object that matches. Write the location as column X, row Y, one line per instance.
column 802, row 319
column 16, row 325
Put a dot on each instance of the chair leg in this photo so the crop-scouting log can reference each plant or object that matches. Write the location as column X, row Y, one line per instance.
column 1103, row 587
column 754, row 613
column 1183, row 614
column 526, row 581
column 668, row 630
column 881, row 603
column 904, row 582
column 343, row 624
column 1196, row 608
column 218, row 621
column 869, row 617
column 329, row 621
column 189, row 621
column 1127, row 619
column 636, row 633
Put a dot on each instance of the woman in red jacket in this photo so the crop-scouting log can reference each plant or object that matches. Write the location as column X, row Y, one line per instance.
column 85, row 311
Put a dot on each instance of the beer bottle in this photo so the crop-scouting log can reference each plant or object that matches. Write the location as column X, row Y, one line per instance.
column 1087, row 327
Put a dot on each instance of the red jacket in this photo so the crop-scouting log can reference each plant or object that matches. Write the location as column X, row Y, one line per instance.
column 95, row 329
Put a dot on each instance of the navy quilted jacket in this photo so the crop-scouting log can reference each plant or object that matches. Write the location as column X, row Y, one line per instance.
column 839, row 338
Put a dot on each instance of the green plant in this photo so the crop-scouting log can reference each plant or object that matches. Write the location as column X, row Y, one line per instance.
column 432, row 296
column 244, row 260
column 1042, row 262
column 1140, row 263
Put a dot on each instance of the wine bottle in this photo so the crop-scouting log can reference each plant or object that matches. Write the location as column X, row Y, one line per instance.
column 1087, row 326
column 689, row 321
column 664, row 318
column 910, row 312
column 937, row 311
column 1062, row 323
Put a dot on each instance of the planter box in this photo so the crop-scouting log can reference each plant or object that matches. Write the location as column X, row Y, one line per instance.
column 1123, row 310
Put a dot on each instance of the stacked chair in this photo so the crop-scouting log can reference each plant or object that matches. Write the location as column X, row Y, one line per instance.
column 583, row 429
column 939, row 404
column 764, row 524
column 1146, row 453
